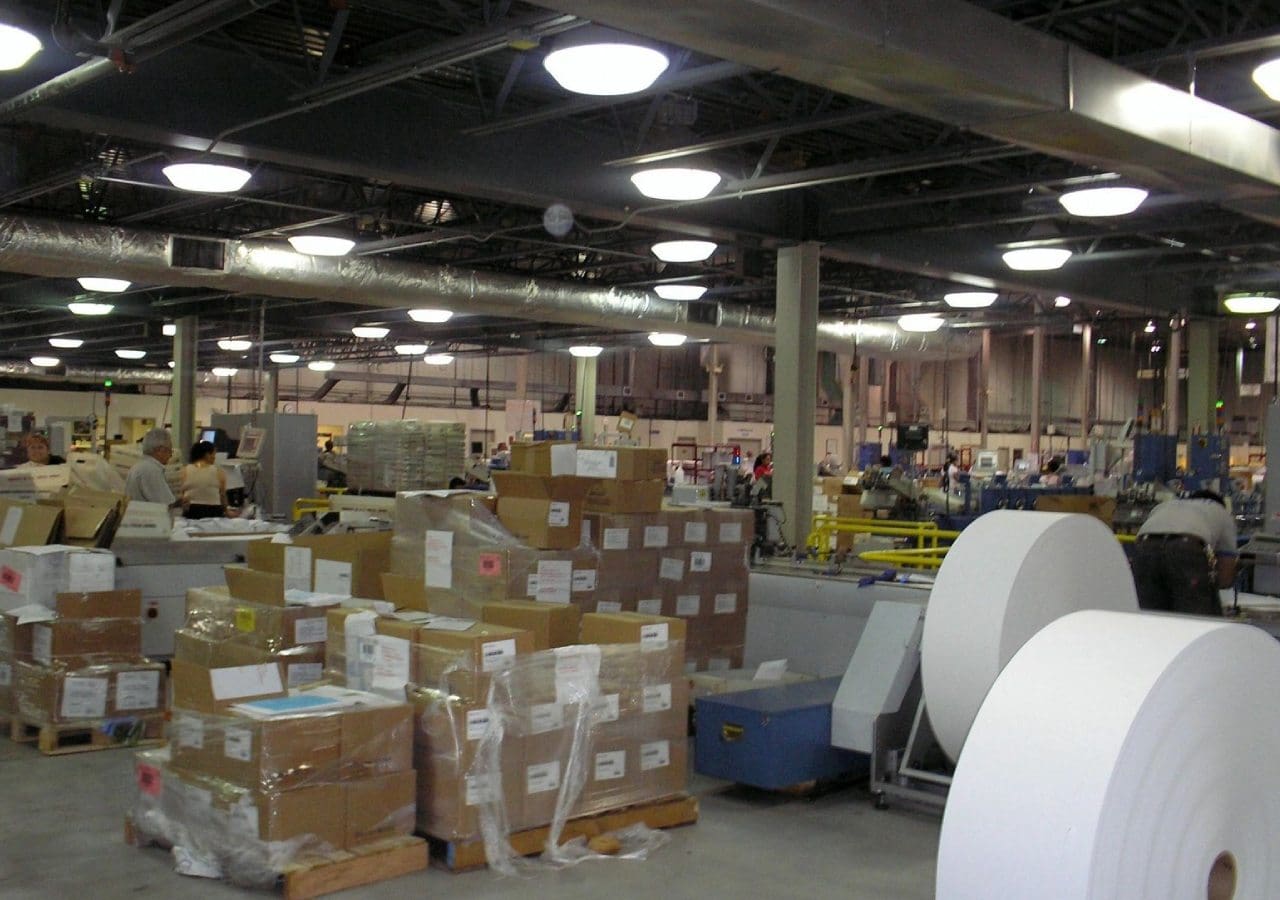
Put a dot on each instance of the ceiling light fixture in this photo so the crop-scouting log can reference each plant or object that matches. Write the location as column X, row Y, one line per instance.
column 585, row 351
column 284, row 359
column 411, row 349
column 603, row 63
column 1155, row 348
column 438, row 359
column 683, row 251
column 1062, row 302
column 921, row 323
column 321, row 365
column 1267, row 77
column 431, row 316
column 321, row 244
column 131, row 354
column 679, row 291
column 970, row 299
column 171, row 364
column 224, row 372
column 90, row 309
column 676, row 183
column 168, row 329
column 1102, row 201
column 104, row 285
column 234, row 345
column 17, row 46
column 1102, row 340
column 45, row 362
column 666, row 339
column 65, row 343
column 206, row 178
column 1036, row 259
column 1248, row 326
column 371, row 332
column 1150, row 327
column 1251, row 304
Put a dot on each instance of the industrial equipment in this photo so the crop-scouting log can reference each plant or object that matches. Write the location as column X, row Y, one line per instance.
column 286, row 463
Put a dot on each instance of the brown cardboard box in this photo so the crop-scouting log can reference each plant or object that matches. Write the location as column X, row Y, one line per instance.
column 551, row 624
column 267, row 755
column 118, row 690
column 254, row 585
column 210, row 675
column 99, row 605
column 464, row 659
column 347, row 564
column 535, row 458
column 543, row 512
column 638, row 463
column 730, row 526
column 279, row 627
column 654, row 632
column 317, row 810
column 468, row 516
column 36, row 524
column 89, row 518
column 76, row 643
column 302, row 665
column 405, row 591
column 663, row 765
column 379, row 807
column 615, row 496
column 612, row 777
column 377, row 740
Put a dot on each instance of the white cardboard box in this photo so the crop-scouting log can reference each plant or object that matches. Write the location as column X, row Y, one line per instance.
column 38, row 574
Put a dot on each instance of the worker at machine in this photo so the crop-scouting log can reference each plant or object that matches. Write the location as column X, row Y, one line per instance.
column 1185, row 552
column 763, row 467
column 830, row 465
column 146, row 481
column 204, row 485
column 332, row 467
column 953, row 473
column 1052, row 476
column 38, row 452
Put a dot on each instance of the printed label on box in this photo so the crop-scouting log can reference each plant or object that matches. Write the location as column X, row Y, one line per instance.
column 555, row 581
column 479, row 789
column 84, row 698
column 564, row 459
column 137, row 690
column 12, row 520
column 438, row 570
column 657, row 633
column 311, row 631
column 42, row 644
column 489, row 565
column 6, row 674
column 149, row 780
column 726, row 603
column 477, row 723
column 237, row 743
column 700, row 561
column 577, row 672
column 655, row 536
column 531, row 585
column 606, row 708
column 89, row 572
column 246, row 619
column 650, row 607
column 544, row 717
column 611, row 765
column 657, row 697
column 497, row 655
column 542, row 777
column 597, row 464
column 695, row 532
column 299, row 674
column 616, row 538
column 584, row 580
column 10, row 579
column 233, row 682
column 333, row 577
column 730, row 532
column 719, row 664
column 655, row 755
column 671, row 569
column 297, row 568
column 190, row 731
column 390, row 663
column 609, row 606
column 584, row 533
column 688, row 604
column 558, row 514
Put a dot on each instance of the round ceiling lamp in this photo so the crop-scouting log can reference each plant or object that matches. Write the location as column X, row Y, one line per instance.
column 370, row 332
column 321, row 244
column 920, row 323
column 1036, row 259
column 1103, row 201
column 1251, row 304
column 585, row 351
column 206, row 178
column 224, row 372
column 675, row 183
column 666, row 339
column 411, row 349
column 131, row 354
column 683, row 251
column 431, row 316
column 1267, row 77
column 603, row 63
column 321, row 365
column 17, row 46
column 45, row 362
column 970, row 299
column 65, row 343
column 679, row 291
column 234, row 345
column 438, row 359
column 284, row 359
column 1062, row 301
column 104, row 285
column 90, row 309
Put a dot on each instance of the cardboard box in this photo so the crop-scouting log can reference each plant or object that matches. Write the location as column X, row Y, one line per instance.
column 265, row 755
column 464, row 659
column 77, row 643
column 543, row 512
column 632, row 628
column 279, row 627
column 39, row 574
column 344, row 564
column 612, row 496
column 405, row 591
column 255, row 586
column 622, row 463
column 318, row 811
column 545, row 458
column 28, row 524
column 663, row 765
column 380, row 807
column 89, row 518
column 114, row 691
column 730, row 526
column 551, row 624
column 469, row 516
column 210, row 675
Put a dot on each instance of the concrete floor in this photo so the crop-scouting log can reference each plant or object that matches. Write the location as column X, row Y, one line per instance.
column 60, row 834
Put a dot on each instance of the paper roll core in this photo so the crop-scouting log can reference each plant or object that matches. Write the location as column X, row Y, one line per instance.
column 1222, row 877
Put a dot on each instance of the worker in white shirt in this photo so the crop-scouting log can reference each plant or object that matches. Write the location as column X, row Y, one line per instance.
column 1185, row 552
column 146, row 481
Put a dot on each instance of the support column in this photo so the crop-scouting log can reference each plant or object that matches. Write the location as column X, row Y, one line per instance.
column 522, row 376
column 713, row 392
column 1037, row 372
column 1202, row 376
column 183, row 391
column 984, row 388
column 585, row 368
column 796, row 387
column 864, row 402
column 271, row 390
column 850, row 403
column 1086, row 381
column 1172, row 392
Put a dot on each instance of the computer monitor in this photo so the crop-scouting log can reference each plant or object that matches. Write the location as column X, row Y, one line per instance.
column 222, row 443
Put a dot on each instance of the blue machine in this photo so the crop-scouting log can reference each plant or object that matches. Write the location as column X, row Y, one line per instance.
column 1155, row 457
column 869, row 455
column 773, row 737
column 997, row 496
column 1208, row 458
column 1077, row 457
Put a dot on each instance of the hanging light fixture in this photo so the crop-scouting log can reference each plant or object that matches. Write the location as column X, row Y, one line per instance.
column 1036, row 259
column 206, row 178
column 168, row 329
column 438, row 359
column 321, row 365
column 585, row 351
column 234, row 345
column 319, row 244
column 1251, row 304
column 104, row 285
column 131, row 354
column 1156, row 348
column 17, row 46
column 1150, row 327
column 224, row 372
column 603, row 62
column 65, row 343
column 970, row 299
column 90, row 309
column 284, row 359
column 1248, row 326
column 683, row 251
column 922, row 323
column 431, row 316
column 1062, row 302
column 45, row 362
column 370, row 332
column 676, row 183
column 679, row 291
column 411, row 349
column 1102, row 201
column 666, row 339
column 1267, row 77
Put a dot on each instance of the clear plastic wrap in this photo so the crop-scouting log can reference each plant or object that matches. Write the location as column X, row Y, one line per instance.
column 214, row 612
column 404, row 455
column 117, row 695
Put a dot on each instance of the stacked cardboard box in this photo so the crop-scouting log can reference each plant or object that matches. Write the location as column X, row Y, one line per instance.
column 624, row 479
column 293, row 636
column 36, row 574
column 404, row 455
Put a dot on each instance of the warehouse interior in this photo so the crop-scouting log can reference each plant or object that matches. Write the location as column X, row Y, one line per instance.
column 833, row 288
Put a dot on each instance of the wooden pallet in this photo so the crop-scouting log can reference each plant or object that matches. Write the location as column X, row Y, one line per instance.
column 341, row 870
column 463, row 856
column 58, row 740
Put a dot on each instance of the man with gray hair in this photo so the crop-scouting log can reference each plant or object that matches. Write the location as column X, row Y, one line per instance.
column 146, row 481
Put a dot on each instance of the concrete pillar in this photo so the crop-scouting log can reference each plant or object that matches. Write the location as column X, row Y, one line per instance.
column 796, row 387
column 850, row 404
column 585, row 368
column 713, row 393
column 522, row 376
column 1086, row 381
column 1037, row 373
column 183, row 391
column 271, row 390
column 1202, row 376
column 984, row 388
column 864, row 402
column 1172, row 392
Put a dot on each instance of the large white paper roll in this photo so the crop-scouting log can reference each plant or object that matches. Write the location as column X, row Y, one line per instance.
column 1008, row 575
column 1120, row 757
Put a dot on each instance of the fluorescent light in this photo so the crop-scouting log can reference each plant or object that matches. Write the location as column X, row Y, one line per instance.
column 65, row 343
column 920, row 322
column 45, row 362
column 431, row 316
column 169, row 329
column 683, row 251
column 970, row 299
column 131, row 354
column 373, row 332
column 224, row 372
column 16, row 47
column 586, row 351
column 679, row 291
column 1248, row 326
column 411, row 349
column 605, row 69
column 1103, row 201
column 206, row 178
column 676, row 183
column 1062, row 302
column 171, row 364
column 1267, row 77
column 1036, row 259
column 104, row 285
column 284, row 359
column 1155, row 348
column 1102, row 340
column 666, row 339
column 438, row 359
column 234, row 345
column 1251, row 305
column 321, row 244
column 1150, row 327
column 90, row 309
column 321, row 365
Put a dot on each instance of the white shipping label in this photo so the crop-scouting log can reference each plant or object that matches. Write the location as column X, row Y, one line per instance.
column 584, row 536
column 655, row 755
column 304, row 673
column 137, row 690
column 89, row 572
column 577, row 673
column 650, row 607
column 42, row 644
column 564, row 459
column 237, row 743
column 531, row 585
column 700, row 561
column 730, row 532
column 695, row 532
column 597, row 464
column 544, row 717
column 438, row 571
column 726, row 603
column 478, row 723
column 606, row 708
column 688, row 605
column 233, row 682
column 9, row 530
column 190, row 731
column 244, row 818
column 558, row 514
column 770, row 670
column 616, row 538
column 311, row 631
column 555, row 581
column 657, row 633
column 584, row 580
column 6, row 674
column 655, row 536
column 84, row 698
column 657, row 698
column 611, row 766
column 496, row 655
column 297, row 568
column 390, row 663
column 671, row 569
column 609, row 606
column 542, row 777
column 333, row 577
column 479, row 789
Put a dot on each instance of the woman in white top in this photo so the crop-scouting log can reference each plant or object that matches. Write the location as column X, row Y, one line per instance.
column 204, row 485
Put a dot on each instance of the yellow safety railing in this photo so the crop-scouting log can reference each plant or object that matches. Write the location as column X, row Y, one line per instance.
column 825, row 527
column 304, row 505
column 932, row 557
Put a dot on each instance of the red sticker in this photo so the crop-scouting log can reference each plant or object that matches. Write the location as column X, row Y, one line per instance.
column 149, row 780
column 10, row 578
column 490, row 564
